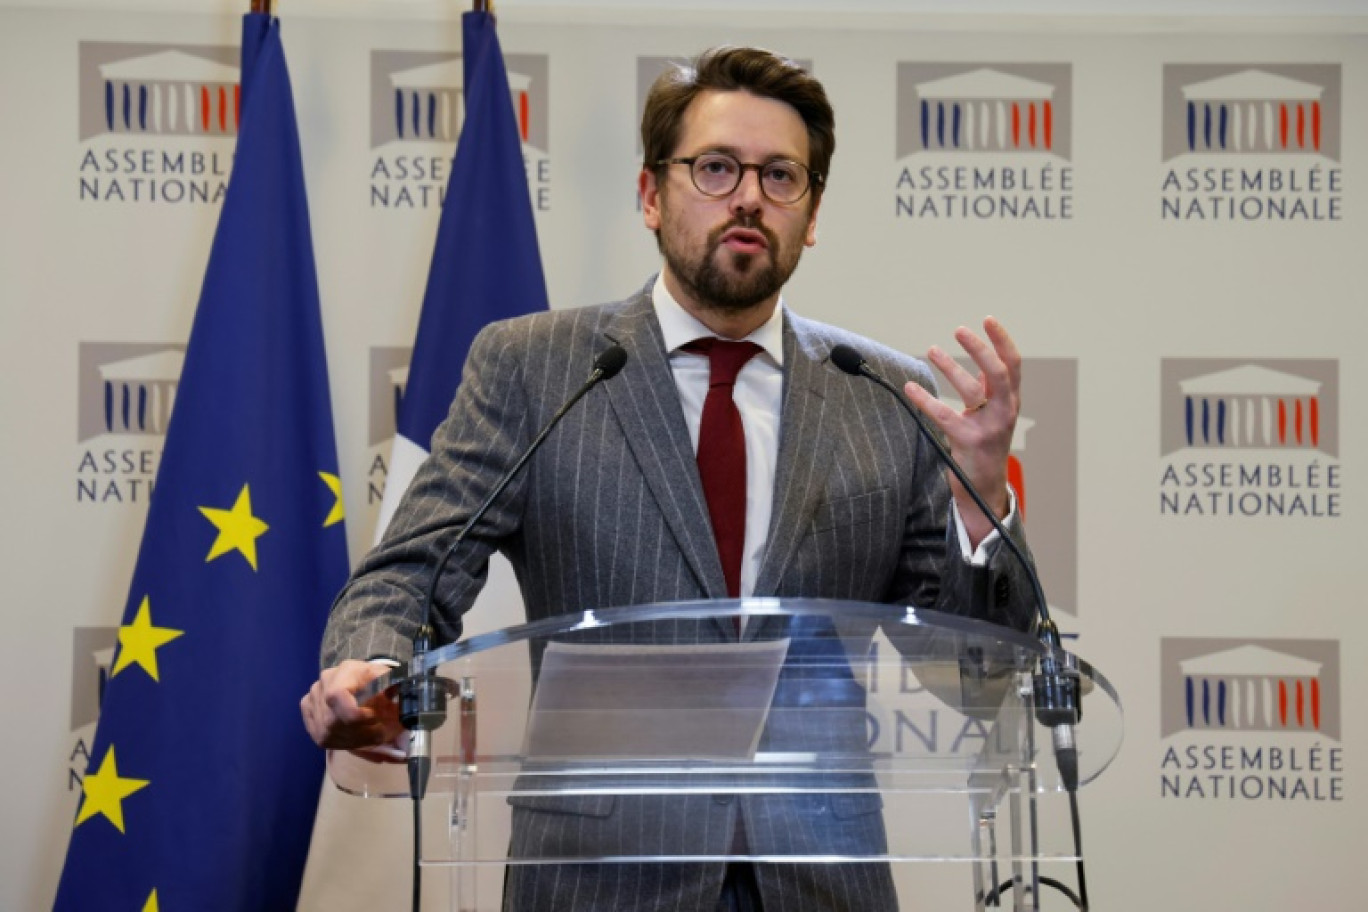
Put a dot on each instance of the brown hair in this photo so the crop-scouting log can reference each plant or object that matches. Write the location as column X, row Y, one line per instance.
column 738, row 69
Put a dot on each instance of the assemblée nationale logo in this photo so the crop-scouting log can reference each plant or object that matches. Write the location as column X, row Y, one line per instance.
column 1249, row 437
column 125, row 393
column 92, row 654
column 1248, row 719
column 417, row 107
column 388, row 378
column 157, row 121
column 984, row 141
column 1245, row 142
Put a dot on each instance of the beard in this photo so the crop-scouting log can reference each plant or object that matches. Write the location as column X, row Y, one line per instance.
column 730, row 282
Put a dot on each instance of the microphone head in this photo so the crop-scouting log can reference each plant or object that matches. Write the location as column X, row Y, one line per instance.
column 610, row 362
column 847, row 359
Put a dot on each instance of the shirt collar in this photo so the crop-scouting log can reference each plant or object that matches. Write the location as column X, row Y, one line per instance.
column 681, row 327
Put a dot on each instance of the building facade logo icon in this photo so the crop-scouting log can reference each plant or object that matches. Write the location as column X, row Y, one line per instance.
column 1250, row 405
column 429, row 101
column 127, row 388
column 92, row 654
column 984, row 109
column 163, row 90
column 418, row 97
column 1282, row 109
column 1254, row 686
column 388, row 373
column 126, row 393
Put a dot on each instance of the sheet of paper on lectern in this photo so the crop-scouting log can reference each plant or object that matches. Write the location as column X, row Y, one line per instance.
column 695, row 702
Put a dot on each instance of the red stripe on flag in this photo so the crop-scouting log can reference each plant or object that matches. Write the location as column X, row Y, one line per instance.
column 1016, row 125
column 1031, row 123
column 1315, row 703
column 1282, row 124
column 204, row 108
column 1301, row 126
column 524, row 120
column 1301, row 716
column 1315, row 421
column 1315, row 124
column 1049, row 125
column 1282, row 421
column 223, row 110
column 1282, row 702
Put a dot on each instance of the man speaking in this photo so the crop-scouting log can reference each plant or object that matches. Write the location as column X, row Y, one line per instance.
column 729, row 458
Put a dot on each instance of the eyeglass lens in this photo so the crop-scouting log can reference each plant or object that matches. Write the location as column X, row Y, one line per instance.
column 718, row 174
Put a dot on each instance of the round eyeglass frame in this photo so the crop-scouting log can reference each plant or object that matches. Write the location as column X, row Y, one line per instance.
column 815, row 178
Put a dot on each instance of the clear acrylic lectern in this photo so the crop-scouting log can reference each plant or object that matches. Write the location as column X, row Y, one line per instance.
column 792, row 732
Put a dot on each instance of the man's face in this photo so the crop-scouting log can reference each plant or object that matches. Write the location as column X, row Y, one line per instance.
column 735, row 252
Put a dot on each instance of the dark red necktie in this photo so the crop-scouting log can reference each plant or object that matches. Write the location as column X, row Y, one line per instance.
column 722, row 452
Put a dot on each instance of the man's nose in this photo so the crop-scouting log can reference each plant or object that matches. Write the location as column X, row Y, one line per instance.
column 748, row 197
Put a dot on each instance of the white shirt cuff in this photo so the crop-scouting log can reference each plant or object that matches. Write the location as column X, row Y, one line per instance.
column 979, row 557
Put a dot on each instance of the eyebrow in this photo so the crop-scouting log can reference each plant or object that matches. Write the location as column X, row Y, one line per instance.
column 736, row 154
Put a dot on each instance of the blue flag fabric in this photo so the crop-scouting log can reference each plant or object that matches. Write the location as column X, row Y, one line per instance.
column 202, row 782
column 486, row 265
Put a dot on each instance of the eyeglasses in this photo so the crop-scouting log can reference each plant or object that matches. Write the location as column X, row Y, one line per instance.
column 718, row 174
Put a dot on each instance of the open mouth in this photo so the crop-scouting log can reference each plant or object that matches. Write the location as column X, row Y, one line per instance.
column 744, row 240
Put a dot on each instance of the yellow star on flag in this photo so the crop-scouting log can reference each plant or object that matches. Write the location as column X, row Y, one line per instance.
column 238, row 529
column 105, row 791
column 138, row 642
column 335, row 485
column 151, row 905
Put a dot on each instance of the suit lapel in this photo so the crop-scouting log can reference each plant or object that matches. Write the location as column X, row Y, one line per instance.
column 805, row 453
column 646, row 403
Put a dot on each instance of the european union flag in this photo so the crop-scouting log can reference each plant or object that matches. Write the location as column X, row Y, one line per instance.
column 202, row 784
column 486, row 265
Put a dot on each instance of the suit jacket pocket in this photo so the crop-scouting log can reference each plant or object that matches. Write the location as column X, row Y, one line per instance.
column 848, row 511
column 578, row 805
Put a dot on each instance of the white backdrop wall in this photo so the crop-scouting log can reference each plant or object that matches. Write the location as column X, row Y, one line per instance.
column 1142, row 275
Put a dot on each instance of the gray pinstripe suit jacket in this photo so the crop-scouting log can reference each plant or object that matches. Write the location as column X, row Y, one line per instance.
column 611, row 512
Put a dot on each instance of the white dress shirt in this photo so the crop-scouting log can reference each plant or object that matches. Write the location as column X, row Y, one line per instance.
column 758, row 394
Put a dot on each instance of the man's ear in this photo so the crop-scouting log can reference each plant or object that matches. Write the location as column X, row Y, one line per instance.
column 649, row 190
column 810, row 239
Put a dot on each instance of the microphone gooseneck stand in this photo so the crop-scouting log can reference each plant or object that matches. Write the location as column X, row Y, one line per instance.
column 423, row 695
column 1057, row 705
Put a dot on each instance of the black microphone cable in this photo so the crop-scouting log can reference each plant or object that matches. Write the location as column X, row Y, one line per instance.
column 423, row 695
column 1056, row 690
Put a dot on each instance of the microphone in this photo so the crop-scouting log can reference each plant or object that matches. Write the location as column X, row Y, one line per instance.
column 423, row 696
column 1056, row 690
